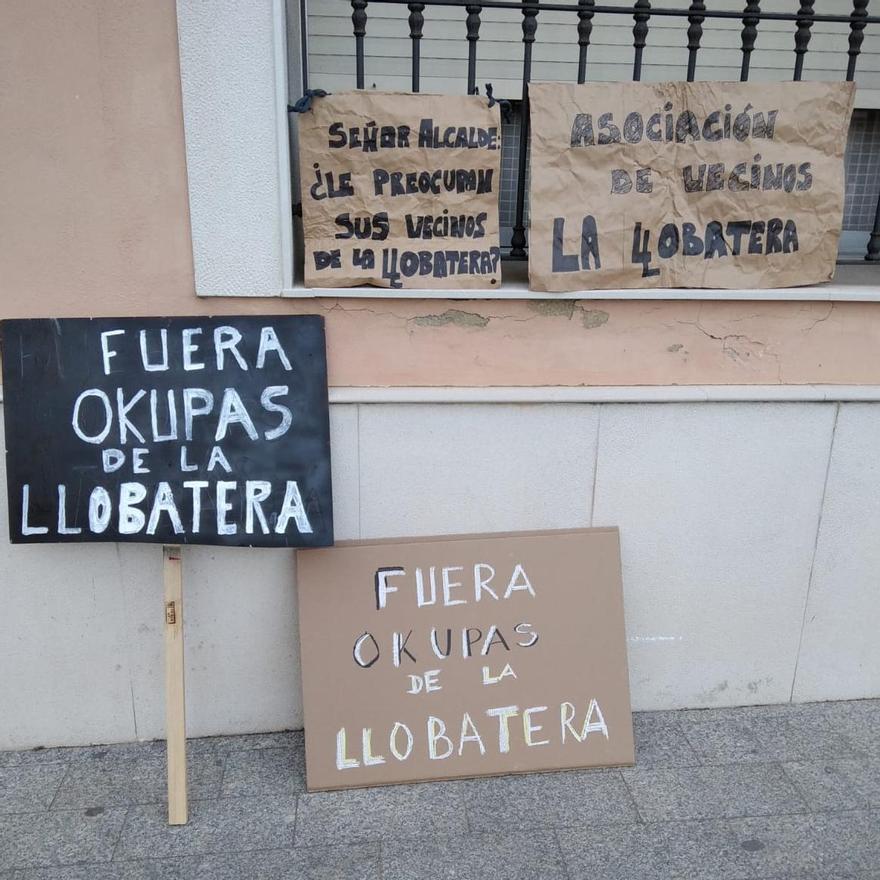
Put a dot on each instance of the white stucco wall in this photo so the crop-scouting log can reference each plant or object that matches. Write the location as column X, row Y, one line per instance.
column 233, row 77
column 749, row 539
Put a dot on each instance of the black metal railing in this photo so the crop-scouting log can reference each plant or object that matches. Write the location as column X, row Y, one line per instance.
column 584, row 14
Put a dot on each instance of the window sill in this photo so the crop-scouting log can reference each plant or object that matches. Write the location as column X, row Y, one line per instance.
column 852, row 283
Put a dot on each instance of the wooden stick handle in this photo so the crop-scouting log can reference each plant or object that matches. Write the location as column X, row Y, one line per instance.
column 175, row 702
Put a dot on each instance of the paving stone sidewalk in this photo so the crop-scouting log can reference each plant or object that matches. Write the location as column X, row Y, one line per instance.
column 763, row 792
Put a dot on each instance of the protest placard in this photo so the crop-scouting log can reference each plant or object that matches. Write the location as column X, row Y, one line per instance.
column 168, row 430
column 705, row 184
column 436, row 658
column 400, row 190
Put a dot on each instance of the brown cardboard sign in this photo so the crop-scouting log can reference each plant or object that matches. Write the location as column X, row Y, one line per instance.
column 401, row 190
column 674, row 184
column 438, row 658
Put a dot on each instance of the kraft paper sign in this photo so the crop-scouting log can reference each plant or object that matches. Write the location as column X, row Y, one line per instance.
column 437, row 658
column 168, row 430
column 401, row 190
column 709, row 184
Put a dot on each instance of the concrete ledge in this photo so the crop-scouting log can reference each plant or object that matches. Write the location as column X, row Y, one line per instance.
column 602, row 394
column 608, row 394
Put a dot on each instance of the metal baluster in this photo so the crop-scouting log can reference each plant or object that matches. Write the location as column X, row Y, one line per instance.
column 585, row 28
column 304, row 43
column 416, row 23
column 529, row 26
column 359, row 22
column 749, row 35
column 802, row 36
column 640, row 34
column 856, row 35
column 473, row 34
column 873, row 254
column 695, row 34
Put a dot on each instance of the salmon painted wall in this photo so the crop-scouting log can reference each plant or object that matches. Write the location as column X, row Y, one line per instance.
column 95, row 222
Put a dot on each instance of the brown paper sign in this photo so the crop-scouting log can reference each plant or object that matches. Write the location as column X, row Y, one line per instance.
column 708, row 184
column 401, row 190
column 437, row 658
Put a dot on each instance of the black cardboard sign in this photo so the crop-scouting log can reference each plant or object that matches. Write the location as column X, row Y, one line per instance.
column 168, row 430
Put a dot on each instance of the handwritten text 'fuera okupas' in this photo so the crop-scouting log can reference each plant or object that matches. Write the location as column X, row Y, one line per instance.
column 392, row 184
column 494, row 652
column 127, row 427
column 716, row 238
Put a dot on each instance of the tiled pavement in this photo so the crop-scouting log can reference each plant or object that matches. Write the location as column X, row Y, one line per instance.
column 764, row 792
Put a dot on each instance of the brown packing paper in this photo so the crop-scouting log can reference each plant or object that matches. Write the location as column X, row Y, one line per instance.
column 355, row 236
column 562, row 586
column 569, row 183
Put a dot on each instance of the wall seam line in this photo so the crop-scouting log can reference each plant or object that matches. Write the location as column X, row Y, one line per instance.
column 128, row 659
column 596, row 463
column 797, row 658
column 358, row 459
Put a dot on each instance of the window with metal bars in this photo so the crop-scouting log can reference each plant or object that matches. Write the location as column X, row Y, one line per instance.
column 389, row 45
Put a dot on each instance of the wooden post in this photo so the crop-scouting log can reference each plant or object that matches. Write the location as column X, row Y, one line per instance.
column 175, row 707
